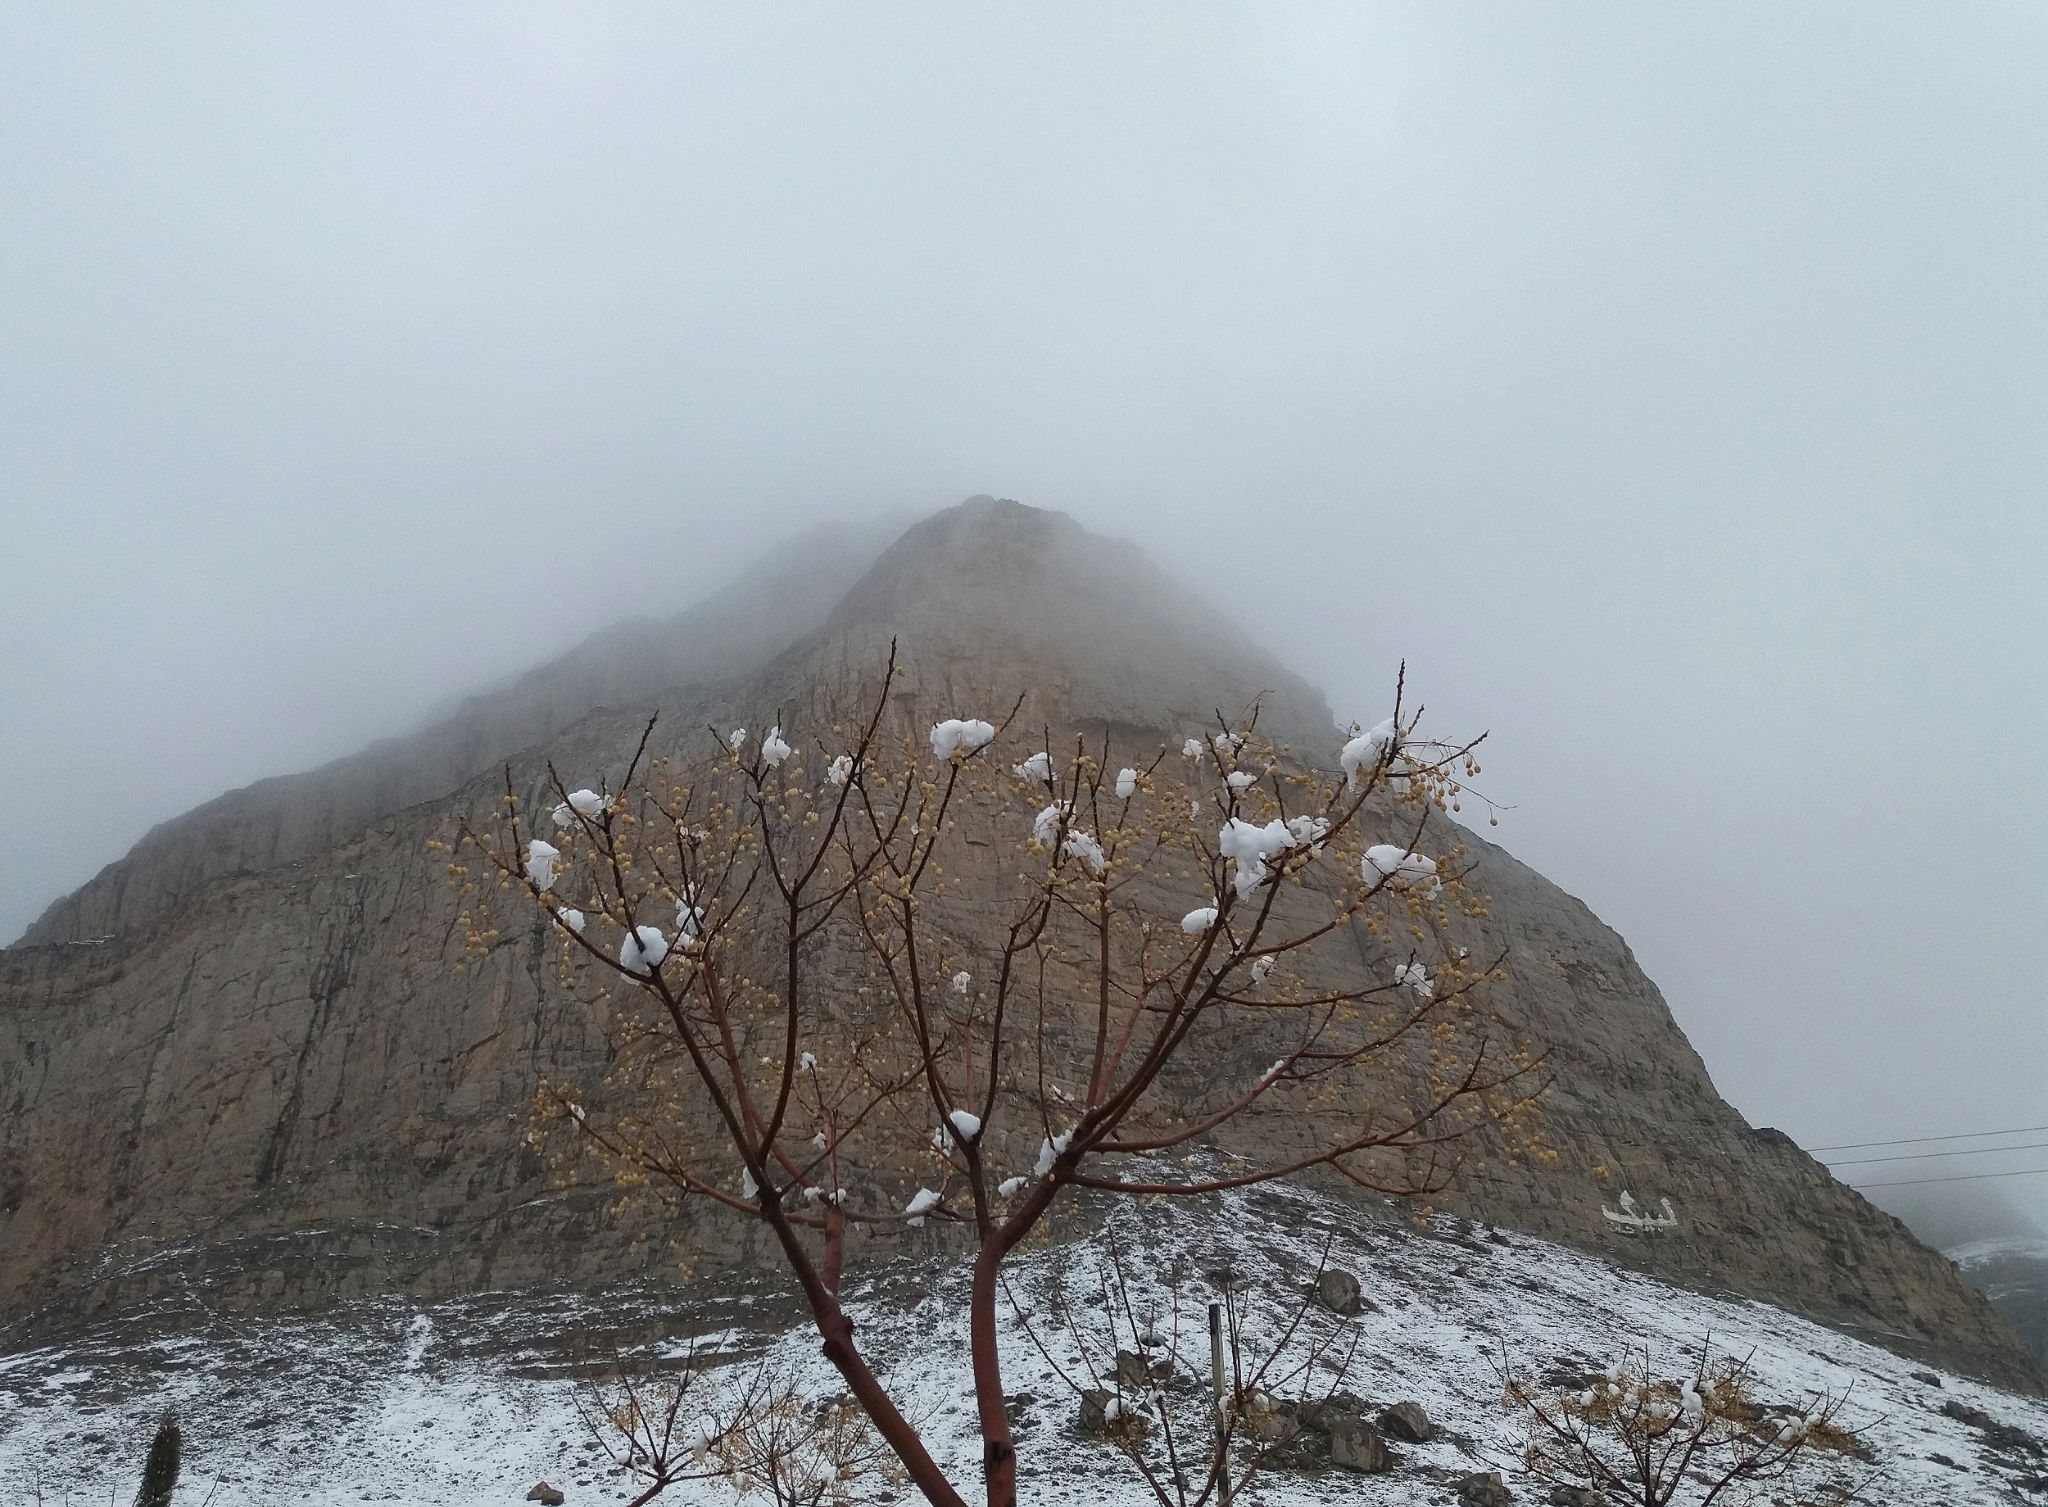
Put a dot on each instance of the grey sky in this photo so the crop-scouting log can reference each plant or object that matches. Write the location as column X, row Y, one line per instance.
column 1668, row 386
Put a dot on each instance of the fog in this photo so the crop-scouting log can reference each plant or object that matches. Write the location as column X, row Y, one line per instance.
column 1668, row 387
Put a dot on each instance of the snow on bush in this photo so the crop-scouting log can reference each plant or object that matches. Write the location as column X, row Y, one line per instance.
column 962, row 981
column 1417, row 977
column 1262, row 966
column 1367, row 751
column 840, row 770
column 1126, row 783
column 1308, row 831
column 579, row 803
column 573, row 919
column 1049, row 1151
column 1046, row 825
column 736, row 739
column 1083, row 846
column 1240, row 779
column 959, row 736
column 1037, row 767
column 773, row 749
column 540, row 863
column 1398, row 867
column 965, row 1125
column 1249, row 846
column 1195, row 922
column 920, row 1203
column 1192, row 749
column 689, row 923
column 641, row 950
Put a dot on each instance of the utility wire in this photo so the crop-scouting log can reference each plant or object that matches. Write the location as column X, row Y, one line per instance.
column 1921, row 1156
column 1919, row 1140
column 1954, row 1177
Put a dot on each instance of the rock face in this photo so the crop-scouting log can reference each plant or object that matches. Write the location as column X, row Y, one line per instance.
column 251, row 1056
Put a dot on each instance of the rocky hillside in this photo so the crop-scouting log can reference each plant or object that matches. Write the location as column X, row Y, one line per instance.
column 472, row 1401
column 258, row 1033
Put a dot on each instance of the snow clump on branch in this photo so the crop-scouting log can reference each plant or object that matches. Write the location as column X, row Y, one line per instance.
column 1417, row 977
column 579, row 803
column 773, row 749
column 1251, row 846
column 840, row 770
column 641, row 950
column 1370, row 749
column 1037, row 767
column 1083, row 846
column 1126, row 784
column 540, row 863
column 959, row 736
column 1049, row 1151
column 1398, row 867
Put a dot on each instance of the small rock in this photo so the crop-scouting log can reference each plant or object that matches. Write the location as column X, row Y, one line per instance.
column 1484, row 1489
column 1406, row 1420
column 1928, row 1377
column 1338, row 1291
column 1576, row 1496
column 545, row 1494
column 1357, row 1445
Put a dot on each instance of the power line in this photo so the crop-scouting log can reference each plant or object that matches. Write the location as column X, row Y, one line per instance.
column 1954, row 1177
column 1919, row 1140
column 1921, row 1156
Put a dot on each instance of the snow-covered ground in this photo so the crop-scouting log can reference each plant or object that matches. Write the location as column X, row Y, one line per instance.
column 470, row 1403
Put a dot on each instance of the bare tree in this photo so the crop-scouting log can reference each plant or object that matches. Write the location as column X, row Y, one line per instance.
column 1692, row 1440
column 827, row 1030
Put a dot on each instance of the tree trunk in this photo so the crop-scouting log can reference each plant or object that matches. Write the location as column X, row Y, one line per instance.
column 998, row 1454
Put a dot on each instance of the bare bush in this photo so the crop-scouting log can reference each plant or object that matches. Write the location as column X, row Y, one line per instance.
column 1690, row 1440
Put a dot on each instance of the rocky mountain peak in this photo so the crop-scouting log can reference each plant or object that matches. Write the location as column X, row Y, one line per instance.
column 998, row 592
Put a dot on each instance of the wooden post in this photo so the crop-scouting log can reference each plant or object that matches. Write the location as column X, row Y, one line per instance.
column 1216, row 1387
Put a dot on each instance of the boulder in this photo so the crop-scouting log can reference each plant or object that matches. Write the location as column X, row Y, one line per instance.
column 1316, row 1415
column 1357, row 1445
column 1484, row 1488
column 1406, row 1420
column 1338, row 1291
column 1103, row 1412
column 1138, row 1373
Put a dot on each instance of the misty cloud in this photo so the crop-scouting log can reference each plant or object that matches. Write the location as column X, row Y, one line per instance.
column 1665, row 388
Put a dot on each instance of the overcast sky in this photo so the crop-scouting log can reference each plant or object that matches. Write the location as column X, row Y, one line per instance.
column 1669, row 387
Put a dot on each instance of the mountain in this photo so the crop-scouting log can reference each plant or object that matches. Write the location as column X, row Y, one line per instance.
column 2013, row 1274
column 251, row 1058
